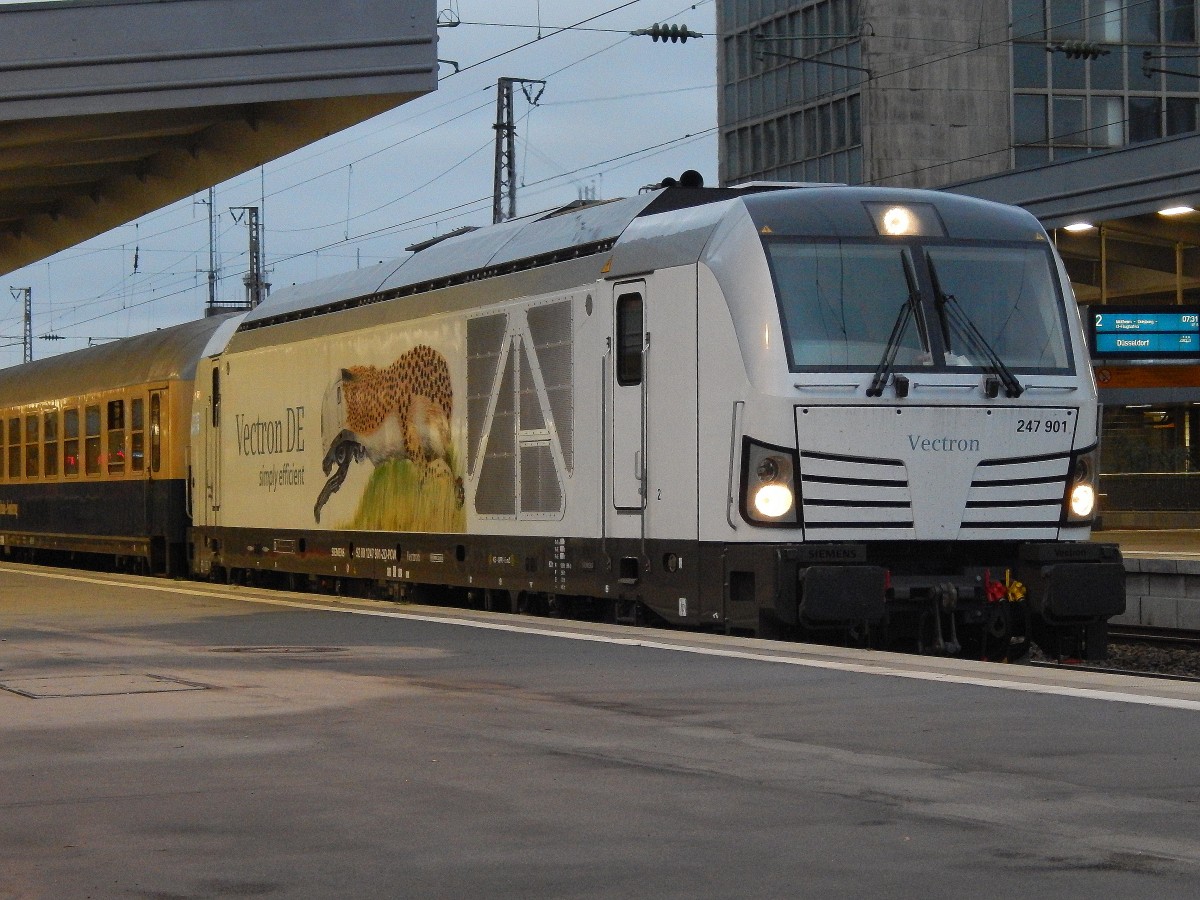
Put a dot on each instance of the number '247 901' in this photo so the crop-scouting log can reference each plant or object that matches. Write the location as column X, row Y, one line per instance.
column 1042, row 426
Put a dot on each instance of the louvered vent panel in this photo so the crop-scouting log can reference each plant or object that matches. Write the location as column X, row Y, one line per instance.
column 552, row 332
column 540, row 490
column 485, row 340
column 494, row 495
column 531, row 407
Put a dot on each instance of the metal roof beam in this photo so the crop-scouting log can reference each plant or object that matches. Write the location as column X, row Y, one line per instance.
column 169, row 97
column 1116, row 184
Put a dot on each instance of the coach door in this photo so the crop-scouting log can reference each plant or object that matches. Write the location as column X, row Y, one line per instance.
column 627, row 461
column 146, row 443
column 146, row 458
column 156, row 451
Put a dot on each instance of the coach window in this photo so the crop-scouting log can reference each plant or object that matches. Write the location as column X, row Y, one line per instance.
column 71, row 441
column 155, row 431
column 116, row 437
column 137, row 435
column 91, row 441
column 50, row 443
column 14, row 448
column 629, row 339
column 32, row 448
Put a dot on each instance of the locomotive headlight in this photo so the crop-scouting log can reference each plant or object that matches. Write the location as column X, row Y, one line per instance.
column 905, row 219
column 1083, row 501
column 1079, row 504
column 897, row 220
column 773, row 500
column 768, row 484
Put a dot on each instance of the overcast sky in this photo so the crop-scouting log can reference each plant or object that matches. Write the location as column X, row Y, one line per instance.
column 617, row 113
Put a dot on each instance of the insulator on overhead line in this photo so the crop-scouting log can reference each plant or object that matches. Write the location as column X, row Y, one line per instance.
column 667, row 33
column 1078, row 49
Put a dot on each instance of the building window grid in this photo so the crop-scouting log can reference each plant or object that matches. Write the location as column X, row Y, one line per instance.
column 749, row 93
column 743, row 14
column 776, row 146
column 1149, row 108
column 1165, row 27
column 783, row 146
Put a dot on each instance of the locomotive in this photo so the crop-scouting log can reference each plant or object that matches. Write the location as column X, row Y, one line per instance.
column 770, row 410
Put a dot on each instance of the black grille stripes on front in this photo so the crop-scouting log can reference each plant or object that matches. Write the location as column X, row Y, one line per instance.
column 1018, row 492
column 859, row 493
column 839, row 491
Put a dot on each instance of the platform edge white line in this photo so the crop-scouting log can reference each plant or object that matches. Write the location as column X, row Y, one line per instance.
column 748, row 655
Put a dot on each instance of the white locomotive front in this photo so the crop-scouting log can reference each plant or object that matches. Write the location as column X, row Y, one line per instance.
column 915, row 422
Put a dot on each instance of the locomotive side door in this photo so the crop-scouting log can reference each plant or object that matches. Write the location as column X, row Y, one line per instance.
column 211, row 501
column 627, row 461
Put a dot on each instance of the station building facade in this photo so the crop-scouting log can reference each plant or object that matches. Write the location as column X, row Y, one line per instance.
column 1083, row 111
column 923, row 93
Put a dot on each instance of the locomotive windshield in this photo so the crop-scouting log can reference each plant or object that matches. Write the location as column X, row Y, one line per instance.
column 971, row 305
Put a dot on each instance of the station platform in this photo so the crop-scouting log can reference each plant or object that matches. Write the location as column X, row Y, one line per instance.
column 175, row 739
column 1162, row 588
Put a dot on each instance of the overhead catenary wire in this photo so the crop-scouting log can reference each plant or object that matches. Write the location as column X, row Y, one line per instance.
column 579, row 26
column 468, row 206
column 124, row 287
column 422, row 133
column 540, row 37
column 350, row 239
column 153, row 216
column 624, row 158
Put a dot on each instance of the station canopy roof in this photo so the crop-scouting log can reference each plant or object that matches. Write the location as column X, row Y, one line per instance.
column 1133, row 252
column 110, row 109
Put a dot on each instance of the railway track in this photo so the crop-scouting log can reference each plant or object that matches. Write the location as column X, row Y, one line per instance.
column 1176, row 638
column 1111, row 670
column 1171, row 653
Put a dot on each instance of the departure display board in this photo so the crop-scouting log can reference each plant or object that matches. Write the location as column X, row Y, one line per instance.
column 1145, row 332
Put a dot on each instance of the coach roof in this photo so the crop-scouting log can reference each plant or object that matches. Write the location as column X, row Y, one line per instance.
column 168, row 354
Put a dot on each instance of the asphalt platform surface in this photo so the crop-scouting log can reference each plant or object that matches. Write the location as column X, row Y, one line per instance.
column 167, row 740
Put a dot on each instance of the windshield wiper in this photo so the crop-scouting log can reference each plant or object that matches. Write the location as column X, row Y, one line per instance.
column 884, row 369
column 951, row 313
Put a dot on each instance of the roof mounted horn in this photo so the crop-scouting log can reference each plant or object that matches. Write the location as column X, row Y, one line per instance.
column 689, row 179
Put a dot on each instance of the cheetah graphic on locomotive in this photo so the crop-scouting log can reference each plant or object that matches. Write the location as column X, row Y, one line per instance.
column 391, row 416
